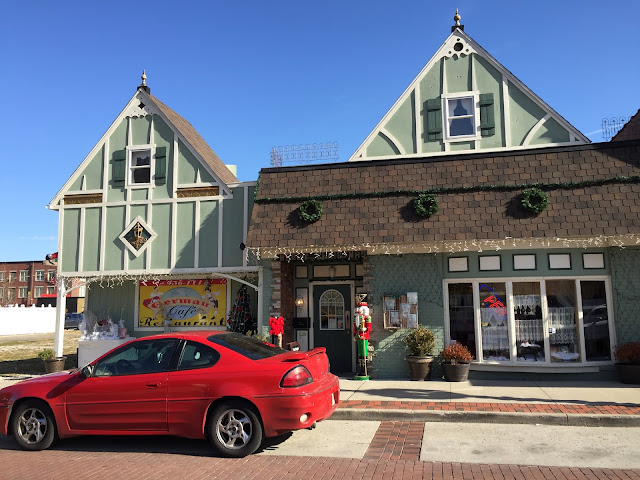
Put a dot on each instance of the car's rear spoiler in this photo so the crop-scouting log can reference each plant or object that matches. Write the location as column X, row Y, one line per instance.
column 297, row 356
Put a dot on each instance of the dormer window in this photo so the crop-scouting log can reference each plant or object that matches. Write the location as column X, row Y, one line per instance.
column 461, row 117
column 140, row 166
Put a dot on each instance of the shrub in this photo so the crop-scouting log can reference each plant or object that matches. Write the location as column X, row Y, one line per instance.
column 420, row 342
column 629, row 353
column 46, row 354
column 456, row 352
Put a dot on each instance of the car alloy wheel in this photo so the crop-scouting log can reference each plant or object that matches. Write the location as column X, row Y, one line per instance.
column 33, row 426
column 235, row 430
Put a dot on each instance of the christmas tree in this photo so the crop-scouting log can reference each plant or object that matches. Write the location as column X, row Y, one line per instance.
column 240, row 318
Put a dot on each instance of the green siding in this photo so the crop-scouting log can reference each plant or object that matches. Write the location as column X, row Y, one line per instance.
column 185, row 251
column 91, row 248
column 233, row 220
column 70, row 239
column 139, row 194
column 117, row 141
column 115, row 302
column 550, row 132
column 458, row 74
column 92, row 172
column 114, row 248
column 208, row 246
column 163, row 137
column 523, row 113
column 403, row 125
column 461, row 146
column 139, row 262
column 251, row 261
column 381, row 146
column 140, row 131
column 625, row 266
column 187, row 165
column 430, row 88
column 161, row 245
column 489, row 80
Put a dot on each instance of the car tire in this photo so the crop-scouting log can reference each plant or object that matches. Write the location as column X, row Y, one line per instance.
column 234, row 429
column 33, row 425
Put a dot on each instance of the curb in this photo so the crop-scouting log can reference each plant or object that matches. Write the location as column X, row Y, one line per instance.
column 574, row 420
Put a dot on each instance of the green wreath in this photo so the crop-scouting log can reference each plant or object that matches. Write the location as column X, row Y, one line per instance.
column 534, row 200
column 310, row 211
column 426, row 204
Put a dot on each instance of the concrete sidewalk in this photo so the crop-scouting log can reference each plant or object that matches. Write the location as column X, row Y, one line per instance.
column 552, row 402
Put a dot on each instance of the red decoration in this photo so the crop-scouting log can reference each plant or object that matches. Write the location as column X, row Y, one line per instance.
column 276, row 326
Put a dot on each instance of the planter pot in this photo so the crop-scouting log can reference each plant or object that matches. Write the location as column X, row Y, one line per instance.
column 458, row 372
column 419, row 367
column 54, row 364
column 628, row 373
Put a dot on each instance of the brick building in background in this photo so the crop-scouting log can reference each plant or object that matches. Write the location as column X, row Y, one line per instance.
column 34, row 283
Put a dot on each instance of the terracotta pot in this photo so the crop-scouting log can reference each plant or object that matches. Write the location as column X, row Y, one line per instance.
column 419, row 367
column 54, row 364
column 628, row 373
column 458, row 372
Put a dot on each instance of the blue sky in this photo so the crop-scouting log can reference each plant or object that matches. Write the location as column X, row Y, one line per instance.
column 252, row 75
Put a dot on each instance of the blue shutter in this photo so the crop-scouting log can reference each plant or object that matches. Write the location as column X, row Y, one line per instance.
column 434, row 119
column 161, row 165
column 487, row 120
column 118, row 162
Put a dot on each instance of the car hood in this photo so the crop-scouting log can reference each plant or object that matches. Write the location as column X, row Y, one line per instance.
column 50, row 379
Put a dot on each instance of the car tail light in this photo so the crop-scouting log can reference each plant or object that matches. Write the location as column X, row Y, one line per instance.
column 296, row 377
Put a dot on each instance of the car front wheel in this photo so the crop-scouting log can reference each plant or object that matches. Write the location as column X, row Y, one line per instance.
column 235, row 430
column 33, row 425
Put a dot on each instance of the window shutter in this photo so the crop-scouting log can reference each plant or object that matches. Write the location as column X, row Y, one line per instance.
column 487, row 121
column 161, row 165
column 118, row 164
column 434, row 119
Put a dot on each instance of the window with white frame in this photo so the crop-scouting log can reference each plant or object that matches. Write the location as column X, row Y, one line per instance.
column 1, row 294
column 13, row 276
column 38, row 292
column 560, row 321
column 332, row 311
column 39, row 275
column 51, row 290
column 2, row 276
column 461, row 117
column 24, row 275
column 140, row 166
column 11, row 295
column 51, row 275
column 22, row 292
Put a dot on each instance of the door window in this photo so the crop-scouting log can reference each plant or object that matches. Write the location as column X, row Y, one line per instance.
column 595, row 321
column 494, row 323
column 139, row 357
column 332, row 311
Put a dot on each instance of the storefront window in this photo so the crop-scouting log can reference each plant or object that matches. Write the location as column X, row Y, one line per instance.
column 563, row 332
column 527, row 312
column 494, row 322
column 461, row 315
column 595, row 321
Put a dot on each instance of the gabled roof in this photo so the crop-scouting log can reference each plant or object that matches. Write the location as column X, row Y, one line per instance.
column 367, row 204
column 143, row 103
column 412, row 94
column 630, row 131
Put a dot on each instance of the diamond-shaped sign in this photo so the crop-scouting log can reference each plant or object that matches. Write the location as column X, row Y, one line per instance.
column 137, row 236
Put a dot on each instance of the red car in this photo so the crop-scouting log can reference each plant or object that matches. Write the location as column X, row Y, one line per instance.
column 227, row 387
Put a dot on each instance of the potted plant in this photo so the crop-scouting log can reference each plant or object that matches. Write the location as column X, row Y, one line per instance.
column 628, row 362
column 455, row 362
column 420, row 343
column 51, row 362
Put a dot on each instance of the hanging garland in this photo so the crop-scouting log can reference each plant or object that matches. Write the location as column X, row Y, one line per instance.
column 426, row 204
column 534, row 200
column 310, row 211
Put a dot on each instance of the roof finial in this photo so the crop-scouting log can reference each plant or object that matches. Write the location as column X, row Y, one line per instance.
column 143, row 85
column 457, row 17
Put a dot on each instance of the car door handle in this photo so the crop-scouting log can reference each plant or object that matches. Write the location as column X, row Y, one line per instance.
column 153, row 385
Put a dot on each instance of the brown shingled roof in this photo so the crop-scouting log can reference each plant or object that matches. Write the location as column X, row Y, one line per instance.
column 612, row 208
column 197, row 143
column 630, row 131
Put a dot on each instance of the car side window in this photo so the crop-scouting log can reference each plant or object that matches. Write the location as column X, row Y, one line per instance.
column 197, row 355
column 136, row 358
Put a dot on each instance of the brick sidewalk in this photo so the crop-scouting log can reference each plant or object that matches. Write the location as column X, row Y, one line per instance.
column 542, row 408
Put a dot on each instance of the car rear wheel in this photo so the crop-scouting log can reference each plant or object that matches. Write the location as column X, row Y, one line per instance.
column 33, row 425
column 235, row 429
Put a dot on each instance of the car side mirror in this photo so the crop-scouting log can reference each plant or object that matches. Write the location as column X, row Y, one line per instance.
column 87, row 371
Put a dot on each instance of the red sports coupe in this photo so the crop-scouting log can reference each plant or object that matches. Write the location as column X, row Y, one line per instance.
column 227, row 387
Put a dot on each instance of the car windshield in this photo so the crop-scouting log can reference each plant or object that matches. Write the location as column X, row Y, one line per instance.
column 250, row 347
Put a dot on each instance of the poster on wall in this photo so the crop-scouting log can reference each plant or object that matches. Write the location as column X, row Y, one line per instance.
column 185, row 303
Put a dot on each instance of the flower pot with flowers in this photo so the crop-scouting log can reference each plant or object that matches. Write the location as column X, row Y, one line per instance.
column 51, row 362
column 628, row 362
column 456, row 359
column 420, row 343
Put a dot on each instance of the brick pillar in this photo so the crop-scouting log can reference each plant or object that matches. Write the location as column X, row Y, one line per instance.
column 282, row 303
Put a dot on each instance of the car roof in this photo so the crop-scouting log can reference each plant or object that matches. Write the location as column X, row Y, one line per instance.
column 193, row 335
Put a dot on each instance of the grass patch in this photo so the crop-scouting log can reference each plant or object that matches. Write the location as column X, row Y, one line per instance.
column 21, row 357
